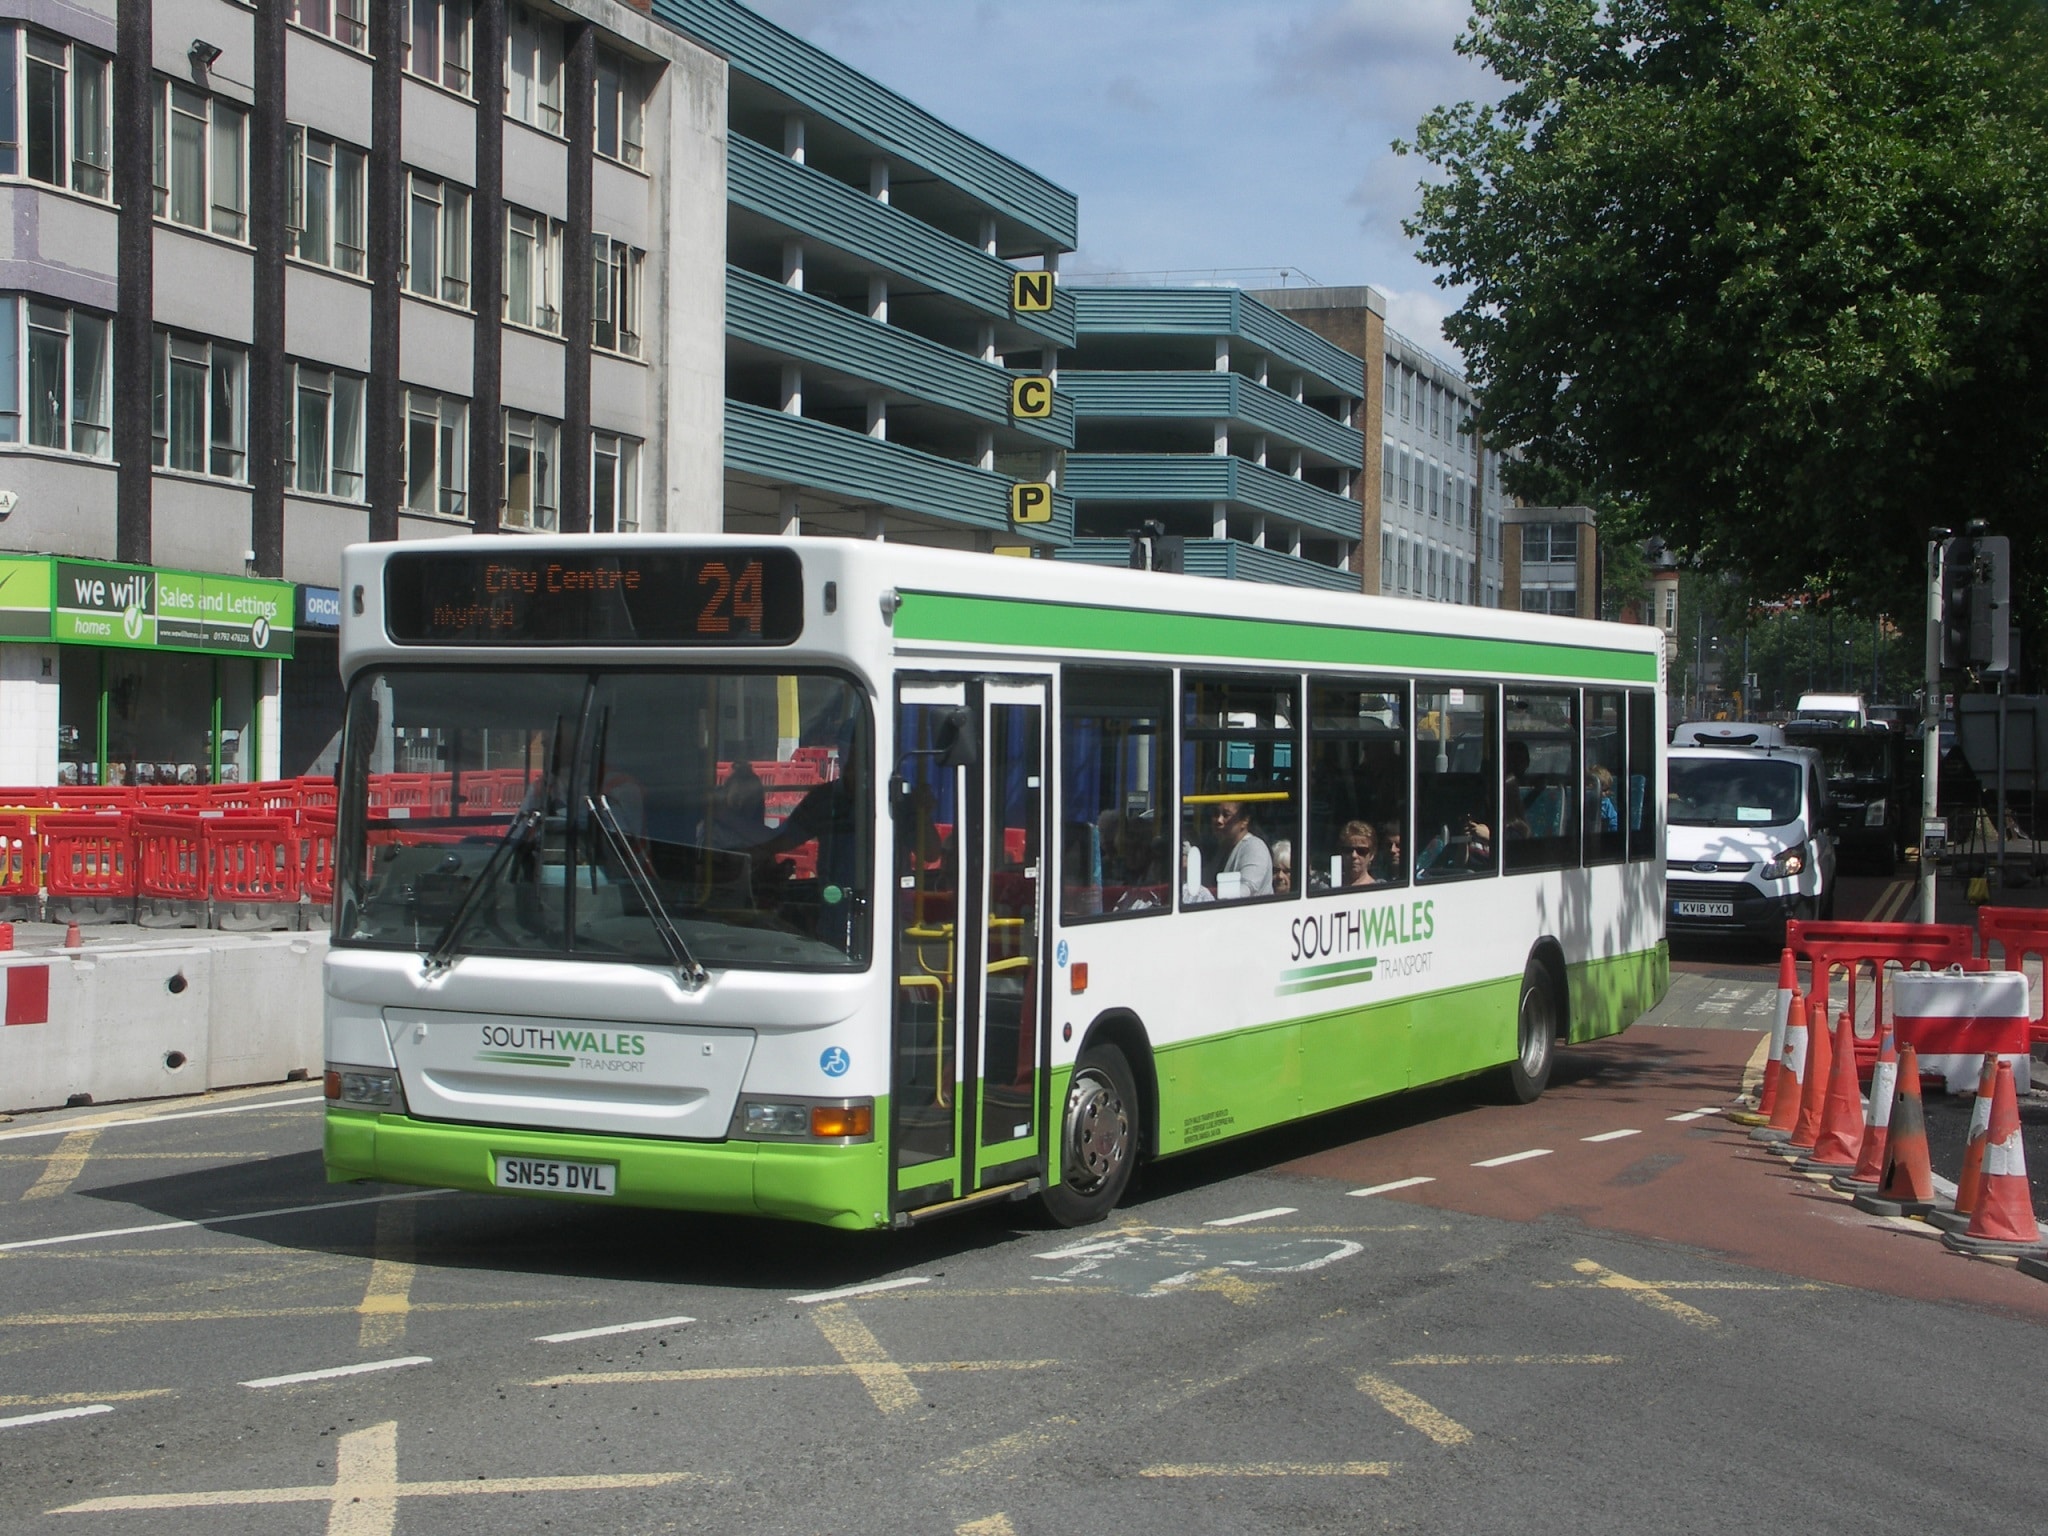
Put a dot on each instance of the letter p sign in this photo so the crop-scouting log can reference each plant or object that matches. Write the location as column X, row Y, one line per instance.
column 1031, row 502
column 1030, row 397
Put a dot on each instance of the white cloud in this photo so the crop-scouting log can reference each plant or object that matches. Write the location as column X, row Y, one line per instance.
column 1418, row 314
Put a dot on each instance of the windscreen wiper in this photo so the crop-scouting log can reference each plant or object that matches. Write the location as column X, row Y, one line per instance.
column 688, row 971
column 525, row 826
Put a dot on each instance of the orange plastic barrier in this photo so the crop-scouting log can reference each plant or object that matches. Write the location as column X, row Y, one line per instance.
column 1852, row 947
column 94, row 797
column 170, row 857
column 316, row 856
column 318, row 794
column 2019, row 933
column 88, row 864
column 21, row 866
column 253, row 859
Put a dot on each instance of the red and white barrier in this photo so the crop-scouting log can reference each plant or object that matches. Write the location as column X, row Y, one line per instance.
column 1954, row 1018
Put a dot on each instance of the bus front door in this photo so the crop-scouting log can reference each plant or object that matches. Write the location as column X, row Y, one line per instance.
column 966, row 1105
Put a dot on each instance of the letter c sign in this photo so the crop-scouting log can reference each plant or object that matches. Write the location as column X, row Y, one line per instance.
column 1030, row 397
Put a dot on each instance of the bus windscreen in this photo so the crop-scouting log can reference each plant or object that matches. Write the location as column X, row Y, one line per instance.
column 729, row 597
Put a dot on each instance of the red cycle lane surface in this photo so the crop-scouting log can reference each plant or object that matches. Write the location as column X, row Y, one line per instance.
column 1701, row 1182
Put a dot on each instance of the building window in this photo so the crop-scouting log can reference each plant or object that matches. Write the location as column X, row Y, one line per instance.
column 615, row 295
column 1671, row 610
column 56, row 116
column 327, row 211
column 614, row 482
column 437, row 42
column 346, row 21
column 436, row 453
column 621, row 109
column 533, row 270
column 532, row 472
column 56, row 368
column 202, row 161
column 1404, row 477
column 1550, row 543
column 533, row 68
column 437, row 240
column 201, row 400
column 1434, row 480
column 327, row 433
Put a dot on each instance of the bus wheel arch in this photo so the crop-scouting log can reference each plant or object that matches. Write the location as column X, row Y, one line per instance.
column 1111, row 1087
column 1542, row 1019
column 1549, row 954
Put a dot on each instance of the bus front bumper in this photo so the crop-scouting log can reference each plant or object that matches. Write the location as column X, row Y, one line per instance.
column 838, row 1186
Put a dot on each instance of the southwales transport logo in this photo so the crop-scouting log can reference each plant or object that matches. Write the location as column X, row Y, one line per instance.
column 562, row 1049
column 1344, row 946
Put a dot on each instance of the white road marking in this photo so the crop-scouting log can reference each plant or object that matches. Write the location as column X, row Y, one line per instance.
column 55, row 1414
column 1610, row 1136
column 1513, row 1157
column 183, row 1114
column 1251, row 1216
column 217, row 1221
column 1081, row 1250
column 863, row 1290
column 1691, row 1114
column 332, row 1371
column 605, row 1333
column 1388, row 1189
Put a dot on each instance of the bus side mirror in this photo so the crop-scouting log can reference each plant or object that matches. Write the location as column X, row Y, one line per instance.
column 958, row 744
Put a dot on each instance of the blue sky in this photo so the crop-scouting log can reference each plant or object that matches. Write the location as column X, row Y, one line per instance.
column 1201, row 136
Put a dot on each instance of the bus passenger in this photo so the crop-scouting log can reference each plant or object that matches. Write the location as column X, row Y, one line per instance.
column 1356, row 846
column 1283, row 868
column 1388, row 865
column 1244, row 853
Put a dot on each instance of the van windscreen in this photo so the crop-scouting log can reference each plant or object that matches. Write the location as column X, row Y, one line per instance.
column 1729, row 792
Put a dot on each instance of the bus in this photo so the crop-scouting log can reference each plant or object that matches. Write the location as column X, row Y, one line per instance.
column 859, row 883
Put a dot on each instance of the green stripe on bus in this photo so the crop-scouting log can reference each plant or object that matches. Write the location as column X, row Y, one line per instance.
column 526, row 1058
column 1077, row 627
column 1340, row 976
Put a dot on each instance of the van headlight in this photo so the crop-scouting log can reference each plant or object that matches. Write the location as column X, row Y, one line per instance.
column 1873, row 814
column 1787, row 864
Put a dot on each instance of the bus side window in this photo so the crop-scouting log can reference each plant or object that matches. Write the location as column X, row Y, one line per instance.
column 1115, row 755
column 1606, row 777
column 1457, row 781
column 1240, row 811
column 1639, row 812
column 1357, row 787
column 1541, row 791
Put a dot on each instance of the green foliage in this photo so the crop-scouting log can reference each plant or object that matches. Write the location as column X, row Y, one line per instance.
column 1767, row 272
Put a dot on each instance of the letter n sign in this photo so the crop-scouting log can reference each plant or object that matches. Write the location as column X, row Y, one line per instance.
column 1031, row 502
column 1030, row 397
column 1030, row 293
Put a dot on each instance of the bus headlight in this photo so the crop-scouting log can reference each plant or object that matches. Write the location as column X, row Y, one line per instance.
column 776, row 1119
column 799, row 1119
column 1786, row 864
column 365, row 1088
column 1873, row 814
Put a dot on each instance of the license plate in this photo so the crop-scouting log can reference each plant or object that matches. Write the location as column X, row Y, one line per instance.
column 544, row 1173
column 1704, row 908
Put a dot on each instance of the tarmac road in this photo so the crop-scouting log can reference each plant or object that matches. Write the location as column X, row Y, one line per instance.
column 1602, row 1312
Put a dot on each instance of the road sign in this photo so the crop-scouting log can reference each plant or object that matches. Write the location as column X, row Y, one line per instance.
column 1030, row 397
column 1031, row 502
column 1030, row 292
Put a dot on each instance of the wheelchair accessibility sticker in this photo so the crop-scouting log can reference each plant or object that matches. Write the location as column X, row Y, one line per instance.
column 835, row 1061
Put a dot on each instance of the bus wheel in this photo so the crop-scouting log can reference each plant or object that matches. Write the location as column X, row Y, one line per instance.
column 1535, row 1036
column 1098, row 1141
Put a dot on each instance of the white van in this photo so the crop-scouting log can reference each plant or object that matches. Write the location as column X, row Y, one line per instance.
column 1728, row 733
column 1749, row 840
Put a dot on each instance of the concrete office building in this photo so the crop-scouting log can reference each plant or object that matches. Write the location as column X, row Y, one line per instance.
column 1213, row 415
column 281, row 277
column 1553, row 562
column 872, row 338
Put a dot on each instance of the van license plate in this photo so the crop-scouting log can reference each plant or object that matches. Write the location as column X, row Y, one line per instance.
column 557, row 1177
column 1704, row 908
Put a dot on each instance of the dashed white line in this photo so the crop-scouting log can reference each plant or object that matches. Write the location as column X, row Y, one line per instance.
column 333, row 1371
column 183, row 1114
column 605, row 1333
column 1250, row 1216
column 863, row 1290
column 1610, row 1136
column 1388, row 1189
column 1513, row 1157
column 56, row 1413
column 1691, row 1114
column 217, row 1221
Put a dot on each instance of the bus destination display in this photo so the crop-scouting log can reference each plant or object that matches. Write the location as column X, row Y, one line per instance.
column 735, row 596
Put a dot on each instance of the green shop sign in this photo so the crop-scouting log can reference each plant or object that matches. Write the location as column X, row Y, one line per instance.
column 94, row 603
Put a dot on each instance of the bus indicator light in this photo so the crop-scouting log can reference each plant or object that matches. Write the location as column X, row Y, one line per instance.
column 1078, row 977
column 829, row 1121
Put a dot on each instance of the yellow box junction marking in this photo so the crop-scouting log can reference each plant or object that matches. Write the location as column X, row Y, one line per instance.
column 65, row 1165
column 1656, row 1297
column 994, row 1525
column 1413, row 1411
column 1273, row 1469
column 363, row 1498
column 1508, row 1360
column 387, row 1299
column 72, row 1399
column 886, row 1381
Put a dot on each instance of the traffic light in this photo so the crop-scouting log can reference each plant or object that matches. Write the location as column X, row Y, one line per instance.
column 1991, row 604
column 1958, row 580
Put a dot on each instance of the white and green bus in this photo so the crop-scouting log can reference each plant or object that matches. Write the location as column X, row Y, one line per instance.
column 858, row 883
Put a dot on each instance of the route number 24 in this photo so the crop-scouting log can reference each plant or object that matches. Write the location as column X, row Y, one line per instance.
column 729, row 598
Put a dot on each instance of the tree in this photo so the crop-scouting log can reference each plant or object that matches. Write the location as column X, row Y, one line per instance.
column 1768, row 273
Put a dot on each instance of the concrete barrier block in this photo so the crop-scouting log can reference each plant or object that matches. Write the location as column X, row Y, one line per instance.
column 266, row 1009
column 121, row 1024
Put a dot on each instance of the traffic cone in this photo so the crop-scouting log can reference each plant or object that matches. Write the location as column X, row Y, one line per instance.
column 1970, row 1186
column 1877, row 1117
column 1906, row 1187
column 6, row 936
column 1813, row 1083
column 2004, row 1218
column 1841, row 1122
column 1788, row 999
column 1785, row 1113
column 73, row 939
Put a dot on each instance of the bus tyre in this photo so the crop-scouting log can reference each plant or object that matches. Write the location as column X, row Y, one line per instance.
column 1099, row 1139
column 1535, row 1037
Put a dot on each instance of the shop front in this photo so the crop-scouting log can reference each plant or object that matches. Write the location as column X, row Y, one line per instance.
column 122, row 674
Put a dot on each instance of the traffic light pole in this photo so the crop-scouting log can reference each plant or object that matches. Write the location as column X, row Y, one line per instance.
column 1930, row 724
